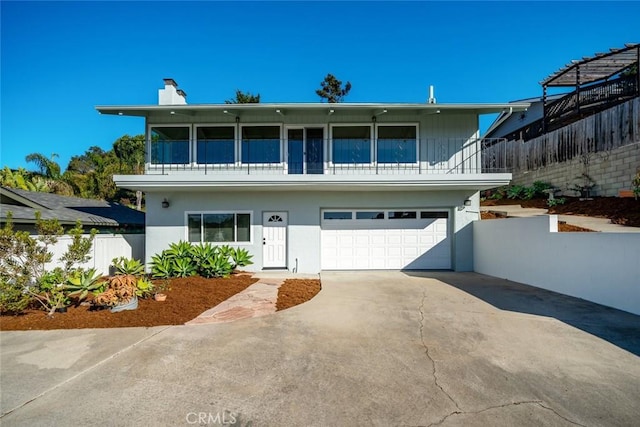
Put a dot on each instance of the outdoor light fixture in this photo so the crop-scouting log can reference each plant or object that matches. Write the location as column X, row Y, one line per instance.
column 165, row 203
column 467, row 202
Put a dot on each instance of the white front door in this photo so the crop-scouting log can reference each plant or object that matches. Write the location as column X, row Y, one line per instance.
column 274, row 239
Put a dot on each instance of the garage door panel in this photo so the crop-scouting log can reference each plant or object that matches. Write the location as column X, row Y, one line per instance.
column 420, row 243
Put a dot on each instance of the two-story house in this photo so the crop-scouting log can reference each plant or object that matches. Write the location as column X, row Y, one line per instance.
column 315, row 186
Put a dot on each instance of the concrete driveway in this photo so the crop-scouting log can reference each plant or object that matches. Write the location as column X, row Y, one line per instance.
column 372, row 348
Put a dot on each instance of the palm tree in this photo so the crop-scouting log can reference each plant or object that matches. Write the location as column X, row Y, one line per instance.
column 49, row 170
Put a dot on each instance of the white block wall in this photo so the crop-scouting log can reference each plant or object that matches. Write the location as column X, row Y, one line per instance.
column 105, row 247
column 600, row 267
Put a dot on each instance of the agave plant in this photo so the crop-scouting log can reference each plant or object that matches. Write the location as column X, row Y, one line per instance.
column 179, row 250
column 183, row 267
column 82, row 283
column 226, row 251
column 128, row 266
column 144, row 287
column 241, row 258
column 203, row 252
column 217, row 266
column 161, row 266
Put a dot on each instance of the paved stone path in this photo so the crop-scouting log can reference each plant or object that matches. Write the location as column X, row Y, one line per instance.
column 257, row 300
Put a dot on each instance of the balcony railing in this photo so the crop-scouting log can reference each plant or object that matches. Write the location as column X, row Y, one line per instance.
column 588, row 100
column 332, row 157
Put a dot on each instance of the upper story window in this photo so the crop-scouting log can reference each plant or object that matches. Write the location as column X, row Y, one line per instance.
column 397, row 144
column 215, row 144
column 351, row 144
column 261, row 144
column 169, row 144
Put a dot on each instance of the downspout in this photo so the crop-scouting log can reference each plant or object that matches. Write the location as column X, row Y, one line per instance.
column 506, row 116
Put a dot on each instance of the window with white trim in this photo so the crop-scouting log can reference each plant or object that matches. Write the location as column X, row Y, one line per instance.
column 219, row 227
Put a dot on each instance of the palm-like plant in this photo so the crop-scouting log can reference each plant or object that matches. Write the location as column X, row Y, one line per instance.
column 82, row 283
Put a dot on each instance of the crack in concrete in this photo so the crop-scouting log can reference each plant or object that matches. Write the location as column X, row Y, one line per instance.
column 459, row 410
column 505, row 405
column 426, row 351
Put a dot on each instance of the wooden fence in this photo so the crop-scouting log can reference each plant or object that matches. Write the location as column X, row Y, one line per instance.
column 616, row 127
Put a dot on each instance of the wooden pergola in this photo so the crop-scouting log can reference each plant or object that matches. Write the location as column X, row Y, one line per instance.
column 590, row 78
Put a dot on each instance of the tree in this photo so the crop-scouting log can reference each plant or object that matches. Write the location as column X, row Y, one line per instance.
column 244, row 98
column 130, row 153
column 51, row 180
column 331, row 89
column 49, row 168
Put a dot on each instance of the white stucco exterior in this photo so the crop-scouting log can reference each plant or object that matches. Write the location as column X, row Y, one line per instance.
column 422, row 158
column 304, row 208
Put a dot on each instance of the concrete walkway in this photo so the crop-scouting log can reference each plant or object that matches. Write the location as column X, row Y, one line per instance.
column 371, row 349
column 596, row 224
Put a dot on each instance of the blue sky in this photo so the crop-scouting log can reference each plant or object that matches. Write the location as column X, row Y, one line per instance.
column 61, row 59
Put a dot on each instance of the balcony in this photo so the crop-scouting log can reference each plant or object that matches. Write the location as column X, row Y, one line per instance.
column 361, row 156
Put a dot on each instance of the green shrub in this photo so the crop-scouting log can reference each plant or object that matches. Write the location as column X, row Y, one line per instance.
column 12, row 298
column 515, row 191
column 556, row 201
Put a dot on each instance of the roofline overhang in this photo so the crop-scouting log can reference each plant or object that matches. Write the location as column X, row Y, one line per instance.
column 283, row 109
column 434, row 182
column 6, row 191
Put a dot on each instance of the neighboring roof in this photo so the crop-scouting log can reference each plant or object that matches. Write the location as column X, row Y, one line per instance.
column 236, row 109
column 595, row 68
column 67, row 209
column 533, row 113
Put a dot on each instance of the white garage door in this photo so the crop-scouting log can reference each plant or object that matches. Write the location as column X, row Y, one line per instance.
column 385, row 240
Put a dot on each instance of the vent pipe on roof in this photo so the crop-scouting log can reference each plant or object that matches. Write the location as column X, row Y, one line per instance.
column 171, row 95
column 432, row 99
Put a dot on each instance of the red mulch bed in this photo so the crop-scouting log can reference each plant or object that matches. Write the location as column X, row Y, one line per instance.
column 296, row 291
column 620, row 210
column 186, row 299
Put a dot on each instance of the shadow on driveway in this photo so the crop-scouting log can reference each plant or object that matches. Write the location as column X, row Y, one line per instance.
column 615, row 326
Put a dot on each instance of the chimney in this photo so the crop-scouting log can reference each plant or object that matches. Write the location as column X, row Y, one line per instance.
column 171, row 95
column 431, row 99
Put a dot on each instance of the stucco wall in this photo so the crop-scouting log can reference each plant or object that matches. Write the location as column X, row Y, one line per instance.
column 599, row 267
column 168, row 225
column 611, row 171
